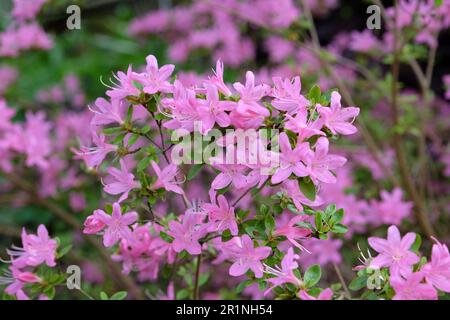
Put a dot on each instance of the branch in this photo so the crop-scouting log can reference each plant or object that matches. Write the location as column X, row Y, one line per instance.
column 197, row 278
column 405, row 171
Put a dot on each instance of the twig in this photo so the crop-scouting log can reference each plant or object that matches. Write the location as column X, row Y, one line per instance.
column 405, row 172
column 197, row 278
column 341, row 279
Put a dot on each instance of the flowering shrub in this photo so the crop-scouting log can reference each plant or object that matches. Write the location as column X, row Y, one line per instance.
column 192, row 183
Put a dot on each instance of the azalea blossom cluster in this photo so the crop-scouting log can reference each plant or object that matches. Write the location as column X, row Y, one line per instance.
column 24, row 33
column 212, row 188
column 425, row 17
column 360, row 213
column 409, row 275
column 121, row 127
column 37, row 249
column 43, row 146
column 217, row 27
column 68, row 93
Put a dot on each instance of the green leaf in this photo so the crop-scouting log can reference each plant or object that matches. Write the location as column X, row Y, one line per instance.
column 129, row 114
column 438, row 3
column 193, row 171
column 203, row 279
column 417, row 243
column 103, row 296
column 269, row 222
column 145, row 129
column 338, row 216
column 119, row 138
column 165, row 237
column 241, row 286
column 143, row 163
column 358, row 283
column 308, row 188
column 263, row 209
column 113, row 130
column 339, row 228
column 64, row 251
column 318, row 221
column 133, row 138
column 314, row 94
column 329, row 210
column 50, row 292
column 226, row 235
column 119, row 295
column 183, row 294
column 312, row 275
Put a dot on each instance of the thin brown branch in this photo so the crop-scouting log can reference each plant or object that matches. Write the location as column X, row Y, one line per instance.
column 197, row 278
column 404, row 169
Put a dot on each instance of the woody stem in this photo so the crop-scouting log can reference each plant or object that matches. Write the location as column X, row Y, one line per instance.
column 197, row 278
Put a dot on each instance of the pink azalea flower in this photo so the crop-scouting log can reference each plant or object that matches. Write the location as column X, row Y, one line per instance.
column 187, row 234
column 162, row 248
column 392, row 209
column 412, row 288
column 284, row 274
column 326, row 294
column 245, row 119
column 322, row 252
column 217, row 79
column 16, row 280
column 247, row 257
column 184, row 108
column 290, row 160
column 36, row 250
column 279, row 48
column 155, row 79
column 124, row 181
column 300, row 125
column 287, row 95
column 125, row 86
column 25, row 9
column 293, row 232
column 293, row 191
column 94, row 156
column 94, row 223
column 250, row 94
column 6, row 114
column 135, row 254
column 212, row 110
column 107, row 112
column 338, row 119
column 394, row 252
column 170, row 293
column 37, row 143
column 364, row 41
column 222, row 215
column 230, row 173
column 117, row 225
column 167, row 178
column 437, row 271
column 319, row 164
